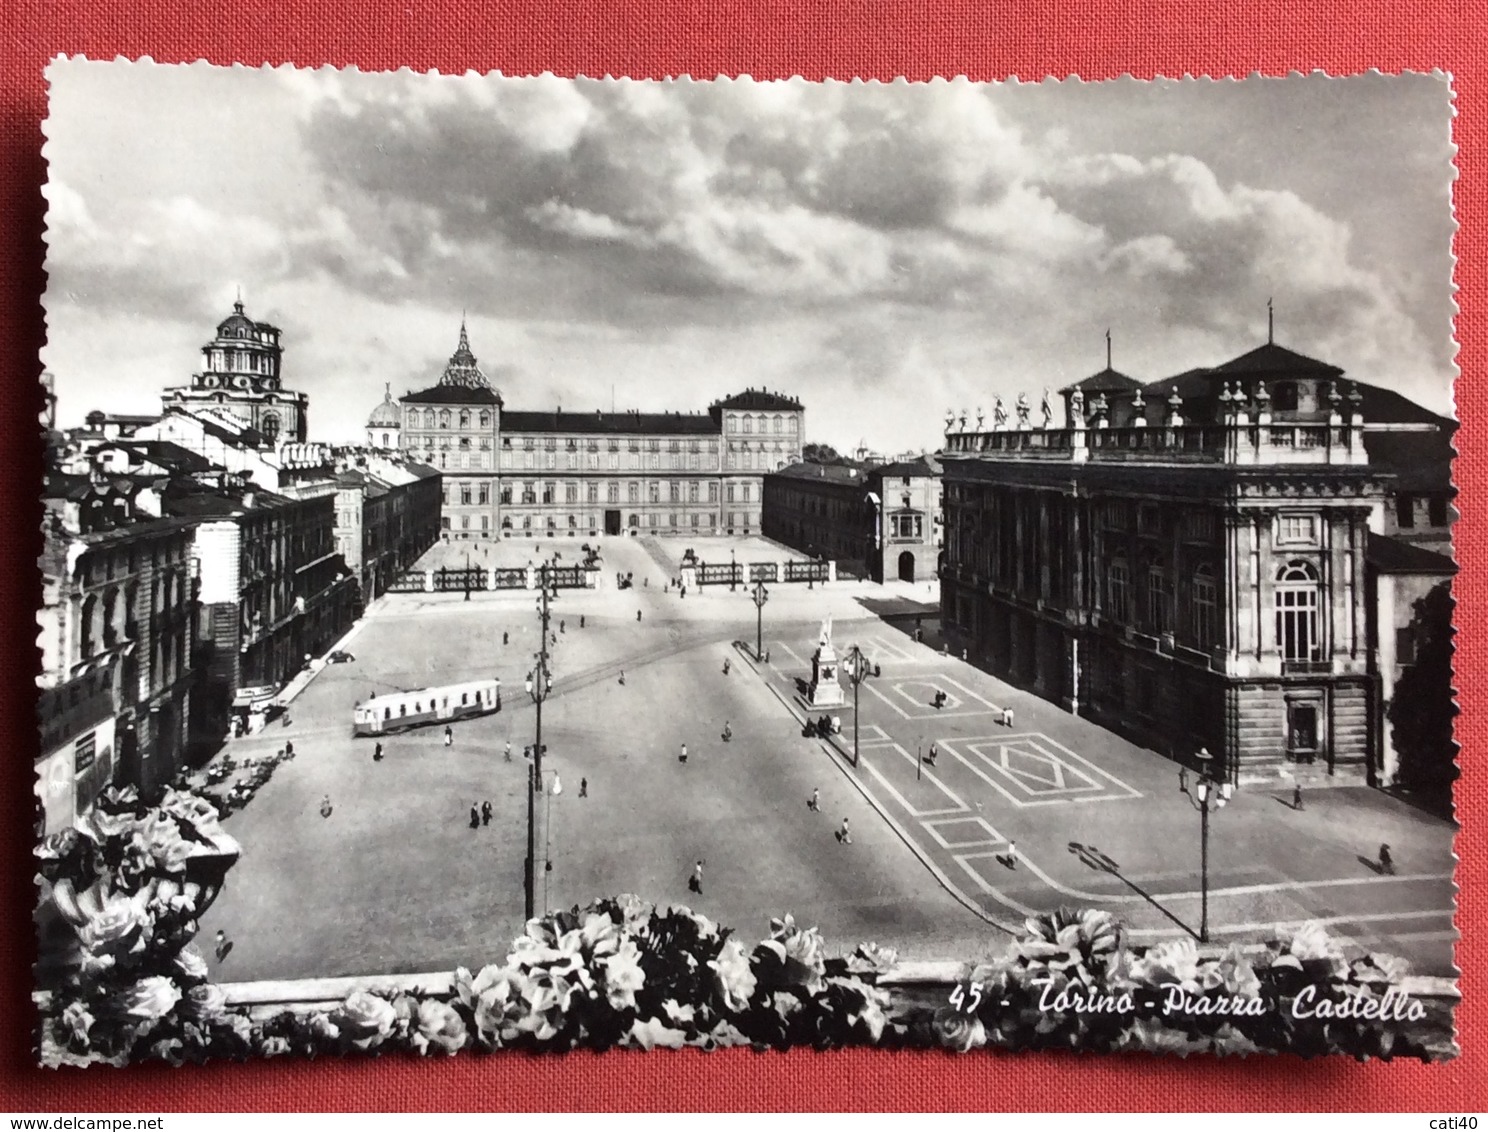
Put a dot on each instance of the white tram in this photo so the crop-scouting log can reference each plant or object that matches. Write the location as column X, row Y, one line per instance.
column 398, row 711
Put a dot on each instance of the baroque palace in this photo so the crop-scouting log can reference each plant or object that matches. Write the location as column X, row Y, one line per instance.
column 1238, row 559
column 510, row 473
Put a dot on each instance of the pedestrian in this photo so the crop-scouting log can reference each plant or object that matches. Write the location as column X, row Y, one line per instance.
column 474, row 816
column 289, row 749
column 581, row 621
column 696, row 881
column 646, row 583
column 505, row 637
column 1007, row 717
column 325, row 806
column 638, row 614
column 449, row 736
column 222, row 946
column 1297, row 796
column 728, row 732
column 844, row 835
column 1386, row 861
column 583, row 788
column 725, row 666
column 377, row 754
column 1183, row 780
column 485, row 813
column 682, row 758
column 814, row 805
column 931, row 755
column 1012, row 854
column 562, row 626
column 508, row 750
column 622, row 676
column 963, row 654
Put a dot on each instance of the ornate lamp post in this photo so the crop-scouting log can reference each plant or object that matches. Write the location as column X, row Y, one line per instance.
column 733, row 570
column 857, row 668
column 1210, row 792
column 761, row 595
column 538, row 684
column 467, row 575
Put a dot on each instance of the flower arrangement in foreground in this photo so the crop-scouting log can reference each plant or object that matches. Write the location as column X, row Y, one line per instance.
column 620, row 972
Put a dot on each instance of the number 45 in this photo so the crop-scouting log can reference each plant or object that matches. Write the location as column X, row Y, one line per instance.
column 966, row 998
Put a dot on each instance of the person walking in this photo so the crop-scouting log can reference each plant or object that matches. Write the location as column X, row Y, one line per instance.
column 728, row 732
column 505, row 637
column 325, row 806
column 1386, row 861
column 508, row 750
column 695, row 882
column 289, row 749
column 474, row 816
column 931, row 755
column 377, row 754
column 449, row 735
column 814, row 804
column 638, row 615
column 1297, row 796
column 562, row 625
column 1007, row 717
column 622, row 677
column 1012, row 854
column 486, row 813
column 581, row 621
column 682, row 758
column 222, row 946
column 844, row 835
column 726, row 665
column 583, row 788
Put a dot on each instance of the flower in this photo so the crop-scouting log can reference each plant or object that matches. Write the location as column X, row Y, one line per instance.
column 871, row 959
column 193, row 808
column 102, row 825
column 1317, row 951
column 1377, row 967
column 104, row 920
column 273, row 1046
column 1173, row 962
column 190, row 963
column 958, row 1031
column 365, row 1019
column 159, row 838
column 437, row 1025
column 652, row 1033
column 147, row 1000
column 732, row 976
column 321, row 1030
column 598, row 934
column 678, row 1012
column 623, row 975
column 1152, row 1035
column 497, row 998
column 207, row 1001
column 634, row 912
column 77, row 1021
column 798, row 955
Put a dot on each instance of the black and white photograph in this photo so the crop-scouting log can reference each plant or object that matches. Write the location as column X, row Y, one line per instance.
column 540, row 564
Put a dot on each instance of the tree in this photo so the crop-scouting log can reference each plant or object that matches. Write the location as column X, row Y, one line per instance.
column 820, row 454
column 1423, row 708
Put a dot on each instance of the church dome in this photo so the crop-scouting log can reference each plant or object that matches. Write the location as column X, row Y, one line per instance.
column 386, row 415
column 237, row 324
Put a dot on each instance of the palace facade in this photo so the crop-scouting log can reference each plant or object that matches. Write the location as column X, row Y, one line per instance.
column 1190, row 561
column 513, row 473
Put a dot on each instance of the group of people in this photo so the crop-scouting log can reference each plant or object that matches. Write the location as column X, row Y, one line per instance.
column 480, row 814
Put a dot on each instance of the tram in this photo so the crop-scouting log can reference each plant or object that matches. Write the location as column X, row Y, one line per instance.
column 400, row 711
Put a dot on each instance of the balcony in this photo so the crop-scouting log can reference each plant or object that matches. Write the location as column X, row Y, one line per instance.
column 1306, row 667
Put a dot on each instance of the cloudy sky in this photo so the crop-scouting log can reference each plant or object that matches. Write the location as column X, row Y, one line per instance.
column 882, row 252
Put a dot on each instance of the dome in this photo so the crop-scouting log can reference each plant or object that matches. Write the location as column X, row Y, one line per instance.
column 386, row 415
column 237, row 324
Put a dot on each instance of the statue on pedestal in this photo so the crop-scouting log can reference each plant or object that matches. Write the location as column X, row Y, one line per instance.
column 1023, row 410
column 825, row 691
column 999, row 415
column 1047, row 409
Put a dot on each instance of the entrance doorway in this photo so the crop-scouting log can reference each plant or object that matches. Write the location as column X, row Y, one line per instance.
column 1303, row 737
column 906, row 567
column 612, row 522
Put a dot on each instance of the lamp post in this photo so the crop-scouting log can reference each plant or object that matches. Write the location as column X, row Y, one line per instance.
column 733, row 570
column 1209, row 792
column 761, row 595
column 548, row 796
column 538, row 684
column 856, row 670
column 467, row 575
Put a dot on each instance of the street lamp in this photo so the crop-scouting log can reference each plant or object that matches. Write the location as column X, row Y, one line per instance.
column 1210, row 792
column 857, row 668
column 733, row 570
column 467, row 575
column 548, row 796
column 761, row 595
column 538, row 684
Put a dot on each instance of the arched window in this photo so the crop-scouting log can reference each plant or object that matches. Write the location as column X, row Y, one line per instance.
column 444, row 418
column 1297, row 594
column 270, row 428
column 747, row 422
column 1118, row 587
column 1204, row 608
column 1159, row 599
column 779, row 422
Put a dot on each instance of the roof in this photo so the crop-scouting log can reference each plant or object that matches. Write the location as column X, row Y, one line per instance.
column 1395, row 556
column 842, row 474
column 1273, row 360
column 166, row 453
column 454, row 395
column 386, row 414
column 677, row 424
column 238, row 322
column 1107, row 380
column 906, row 468
column 758, row 399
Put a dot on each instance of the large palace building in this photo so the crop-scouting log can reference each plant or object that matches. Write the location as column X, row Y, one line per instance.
column 240, row 377
column 1195, row 561
column 509, row 473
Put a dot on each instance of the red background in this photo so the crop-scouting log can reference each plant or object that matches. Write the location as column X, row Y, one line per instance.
column 703, row 39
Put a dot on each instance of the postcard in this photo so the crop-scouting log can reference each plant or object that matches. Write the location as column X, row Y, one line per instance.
column 536, row 564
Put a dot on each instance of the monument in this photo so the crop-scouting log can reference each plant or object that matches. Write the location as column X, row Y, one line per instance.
column 825, row 690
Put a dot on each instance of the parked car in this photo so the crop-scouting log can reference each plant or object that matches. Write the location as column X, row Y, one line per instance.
column 340, row 656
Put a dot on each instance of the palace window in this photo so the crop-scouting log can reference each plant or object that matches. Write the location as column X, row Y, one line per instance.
column 1297, row 530
column 444, row 418
column 591, row 492
column 1405, row 511
column 1159, row 600
column 464, row 418
column 612, row 495
column 655, row 491
column 747, row 423
column 570, row 493
column 485, row 419
column 1297, row 611
column 712, row 492
column 633, row 493
column 506, row 494
column 465, row 494
column 692, row 492
column 1205, row 606
column 547, row 493
column 674, row 492
column 1118, row 585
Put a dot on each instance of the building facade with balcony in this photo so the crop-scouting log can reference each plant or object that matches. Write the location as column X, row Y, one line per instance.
column 1185, row 561
column 119, row 597
column 514, row 473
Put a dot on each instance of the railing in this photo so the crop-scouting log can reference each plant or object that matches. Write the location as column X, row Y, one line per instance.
column 408, row 583
column 1274, row 441
column 719, row 573
column 805, row 572
column 566, row 577
column 509, row 578
column 1306, row 667
column 764, row 571
column 459, row 581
